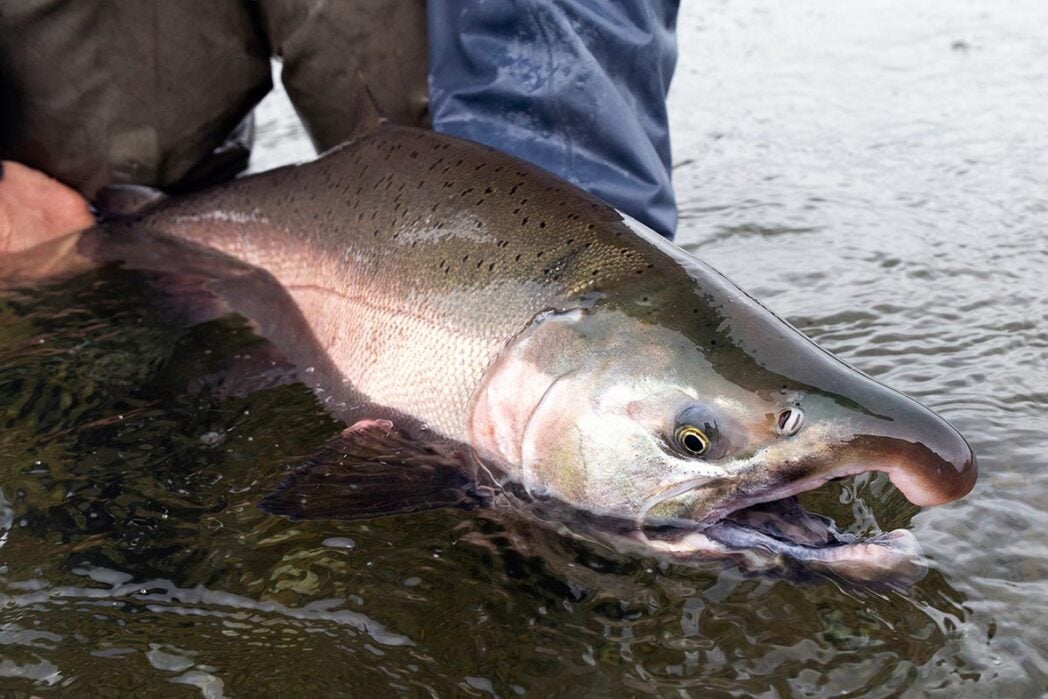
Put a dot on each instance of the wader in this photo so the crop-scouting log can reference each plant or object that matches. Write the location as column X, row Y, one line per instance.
column 159, row 92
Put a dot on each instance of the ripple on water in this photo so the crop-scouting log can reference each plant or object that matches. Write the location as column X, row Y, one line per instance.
column 847, row 165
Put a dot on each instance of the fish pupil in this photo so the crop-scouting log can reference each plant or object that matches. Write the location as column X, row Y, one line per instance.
column 693, row 443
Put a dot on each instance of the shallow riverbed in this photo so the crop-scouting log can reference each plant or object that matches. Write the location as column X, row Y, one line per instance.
column 877, row 174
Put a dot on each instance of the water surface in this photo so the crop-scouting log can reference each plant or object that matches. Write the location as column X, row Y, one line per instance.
column 877, row 174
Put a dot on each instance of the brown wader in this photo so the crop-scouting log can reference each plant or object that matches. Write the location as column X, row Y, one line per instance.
column 159, row 92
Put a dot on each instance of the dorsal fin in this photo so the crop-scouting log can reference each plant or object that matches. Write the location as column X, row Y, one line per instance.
column 369, row 116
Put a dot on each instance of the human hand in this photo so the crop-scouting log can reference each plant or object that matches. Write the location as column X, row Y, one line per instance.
column 35, row 208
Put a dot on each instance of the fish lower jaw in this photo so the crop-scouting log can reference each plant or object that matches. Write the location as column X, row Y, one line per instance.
column 772, row 531
column 893, row 557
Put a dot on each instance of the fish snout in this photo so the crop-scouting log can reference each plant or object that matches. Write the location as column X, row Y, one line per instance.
column 930, row 471
column 925, row 457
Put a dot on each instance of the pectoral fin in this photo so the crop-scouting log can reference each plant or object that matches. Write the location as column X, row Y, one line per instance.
column 372, row 470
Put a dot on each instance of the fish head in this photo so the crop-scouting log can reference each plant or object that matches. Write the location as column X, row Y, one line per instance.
column 681, row 407
column 640, row 421
column 595, row 414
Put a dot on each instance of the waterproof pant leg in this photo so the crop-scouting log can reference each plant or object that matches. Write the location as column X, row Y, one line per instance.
column 129, row 91
column 575, row 86
column 331, row 50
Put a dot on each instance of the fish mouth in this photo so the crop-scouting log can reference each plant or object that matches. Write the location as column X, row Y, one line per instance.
column 773, row 532
column 782, row 530
column 753, row 515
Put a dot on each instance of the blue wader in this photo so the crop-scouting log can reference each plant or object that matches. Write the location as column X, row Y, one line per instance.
column 577, row 87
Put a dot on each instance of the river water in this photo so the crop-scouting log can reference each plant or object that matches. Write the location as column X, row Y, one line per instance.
column 876, row 172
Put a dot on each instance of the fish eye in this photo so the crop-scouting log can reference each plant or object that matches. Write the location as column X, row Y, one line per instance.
column 692, row 440
column 789, row 422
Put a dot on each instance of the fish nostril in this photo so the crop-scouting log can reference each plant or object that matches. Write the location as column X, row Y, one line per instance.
column 790, row 422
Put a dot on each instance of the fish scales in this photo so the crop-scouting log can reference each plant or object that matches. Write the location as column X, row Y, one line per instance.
column 415, row 283
column 557, row 348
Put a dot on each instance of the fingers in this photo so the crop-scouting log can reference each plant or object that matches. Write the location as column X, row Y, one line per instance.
column 35, row 208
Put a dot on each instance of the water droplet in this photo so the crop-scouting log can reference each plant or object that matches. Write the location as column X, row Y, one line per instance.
column 210, row 439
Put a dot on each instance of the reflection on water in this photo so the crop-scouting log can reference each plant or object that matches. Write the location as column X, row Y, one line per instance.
column 857, row 170
column 135, row 556
column 876, row 174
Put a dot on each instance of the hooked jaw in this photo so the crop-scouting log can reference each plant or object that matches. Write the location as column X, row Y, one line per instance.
column 925, row 457
column 934, row 473
column 927, row 473
column 751, row 514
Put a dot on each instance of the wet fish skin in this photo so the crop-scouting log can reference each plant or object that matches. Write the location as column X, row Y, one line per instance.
column 489, row 303
column 415, row 257
column 416, row 260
